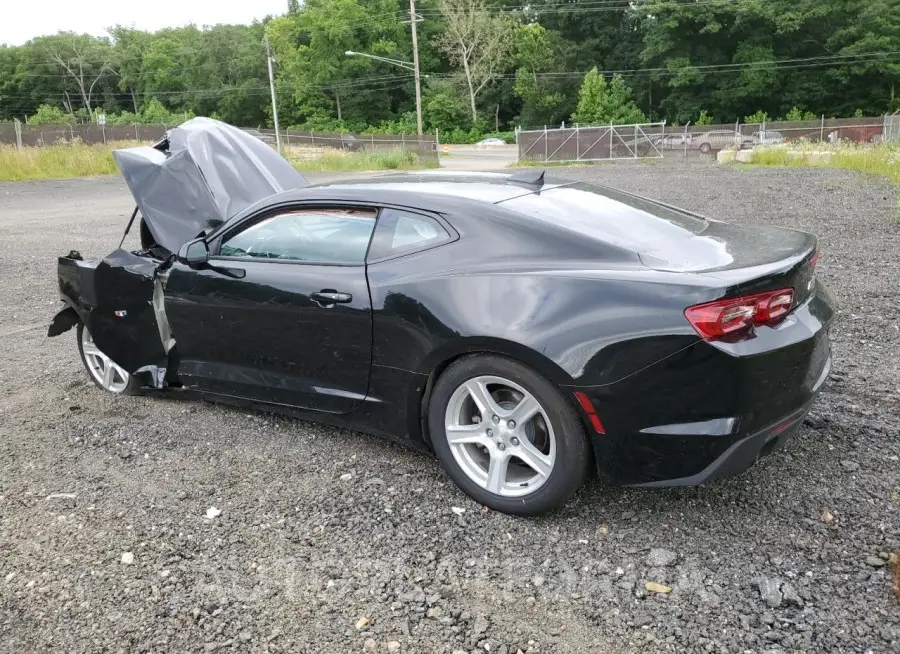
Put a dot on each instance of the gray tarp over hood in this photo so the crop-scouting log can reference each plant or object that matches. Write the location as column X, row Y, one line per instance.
column 202, row 173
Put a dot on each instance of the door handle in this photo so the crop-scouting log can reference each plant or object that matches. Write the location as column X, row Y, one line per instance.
column 328, row 297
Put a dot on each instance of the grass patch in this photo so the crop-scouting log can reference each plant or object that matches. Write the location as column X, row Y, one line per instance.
column 68, row 160
column 882, row 160
column 60, row 161
column 338, row 161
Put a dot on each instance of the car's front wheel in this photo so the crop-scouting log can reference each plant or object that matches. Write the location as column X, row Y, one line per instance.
column 506, row 435
column 102, row 370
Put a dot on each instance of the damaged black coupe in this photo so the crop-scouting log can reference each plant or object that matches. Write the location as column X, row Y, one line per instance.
column 525, row 331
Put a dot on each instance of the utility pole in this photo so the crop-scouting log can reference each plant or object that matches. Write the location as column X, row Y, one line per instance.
column 415, row 43
column 272, row 89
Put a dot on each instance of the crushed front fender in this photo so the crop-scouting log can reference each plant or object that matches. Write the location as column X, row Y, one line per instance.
column 120, row 301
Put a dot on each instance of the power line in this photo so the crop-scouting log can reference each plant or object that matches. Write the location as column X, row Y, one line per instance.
column 546, row 7
column 375, row 83
column 709, row 69
column 776, row 64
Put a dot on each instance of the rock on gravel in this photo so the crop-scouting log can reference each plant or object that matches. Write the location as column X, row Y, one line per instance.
column 660, row 558
column 303, row 555
column 850, row 466
column 770, row 592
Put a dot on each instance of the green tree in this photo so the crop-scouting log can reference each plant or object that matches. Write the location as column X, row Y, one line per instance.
column 704, row 118
column 798, row 114
column 83, row 60
column 50, row 115
column 442, row 108
column 542, row 101
column 758, row 116
column 600, row 103
column 318, row 81
column 478, row 42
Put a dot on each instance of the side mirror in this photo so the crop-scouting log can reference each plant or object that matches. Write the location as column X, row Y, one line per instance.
column 193, row 253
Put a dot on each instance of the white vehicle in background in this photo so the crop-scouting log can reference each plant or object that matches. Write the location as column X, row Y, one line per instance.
column 717, row 139
column 766, row 137
column 676, row 141
column 490, row 142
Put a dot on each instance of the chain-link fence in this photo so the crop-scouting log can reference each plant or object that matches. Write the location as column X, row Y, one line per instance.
column 591, row 143
column 657, row 140
column 24, row 135
column 892, row 129
column 297, row 144
column 312, row 145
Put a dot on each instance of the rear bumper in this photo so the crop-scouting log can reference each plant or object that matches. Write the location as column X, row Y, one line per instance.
column 744, row 452
column 711, row 410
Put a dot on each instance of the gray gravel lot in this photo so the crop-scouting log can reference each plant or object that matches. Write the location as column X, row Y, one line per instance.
column 331, row 541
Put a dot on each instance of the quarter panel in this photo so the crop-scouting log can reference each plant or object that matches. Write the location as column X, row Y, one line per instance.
column 578, row 330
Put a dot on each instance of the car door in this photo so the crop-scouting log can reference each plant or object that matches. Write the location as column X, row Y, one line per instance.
column 281, row 312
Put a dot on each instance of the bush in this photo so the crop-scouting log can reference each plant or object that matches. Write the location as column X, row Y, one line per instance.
column 704, row 118
column 154, row 113
column 48, row 114
column 758, row 117
column 797, row 114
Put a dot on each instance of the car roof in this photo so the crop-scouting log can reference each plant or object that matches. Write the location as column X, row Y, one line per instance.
column 491, row 188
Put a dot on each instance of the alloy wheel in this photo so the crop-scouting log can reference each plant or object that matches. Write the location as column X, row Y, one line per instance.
column 500, row 436
column 107, row 374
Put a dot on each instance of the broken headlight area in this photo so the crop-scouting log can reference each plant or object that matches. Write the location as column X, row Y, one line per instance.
column 120, row 301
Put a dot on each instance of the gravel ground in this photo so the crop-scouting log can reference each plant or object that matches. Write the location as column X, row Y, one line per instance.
column 331, row 541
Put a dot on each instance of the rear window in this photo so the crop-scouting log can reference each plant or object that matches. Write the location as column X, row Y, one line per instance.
column 606, row 214
column 656, row 233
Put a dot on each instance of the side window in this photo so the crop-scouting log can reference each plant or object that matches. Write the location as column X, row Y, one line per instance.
column 402, row 231
column 315, row 235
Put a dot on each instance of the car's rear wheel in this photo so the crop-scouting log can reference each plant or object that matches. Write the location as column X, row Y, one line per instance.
column 103, row 372
column 506, row 436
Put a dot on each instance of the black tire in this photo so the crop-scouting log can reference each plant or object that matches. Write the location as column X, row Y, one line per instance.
column 132, row 388
column 573, row 454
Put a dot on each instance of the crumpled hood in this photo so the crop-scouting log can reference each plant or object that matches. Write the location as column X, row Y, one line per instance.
column 201, row 174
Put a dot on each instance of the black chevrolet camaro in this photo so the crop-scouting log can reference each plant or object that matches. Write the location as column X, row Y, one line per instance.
column 523, row 330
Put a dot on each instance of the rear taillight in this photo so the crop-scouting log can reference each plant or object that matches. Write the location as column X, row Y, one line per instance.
column 814, row 259
column 735, row 318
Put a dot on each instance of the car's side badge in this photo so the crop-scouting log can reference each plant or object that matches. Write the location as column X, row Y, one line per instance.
column 120, row 314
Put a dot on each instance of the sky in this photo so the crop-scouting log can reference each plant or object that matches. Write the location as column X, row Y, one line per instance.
column 23, row 20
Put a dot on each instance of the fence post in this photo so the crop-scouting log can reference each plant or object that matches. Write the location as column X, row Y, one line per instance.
column 545, row 144
column 577, row 144
column 312, row 139
column 518, row 149
column 342, row 140
column 372, row 138
column 610, row 140
column 635, row 141
column 822, row 130
column 18, row 127
column 437, row 146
